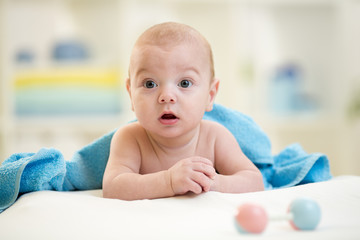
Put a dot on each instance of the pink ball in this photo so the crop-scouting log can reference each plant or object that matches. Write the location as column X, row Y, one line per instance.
column 251, row 218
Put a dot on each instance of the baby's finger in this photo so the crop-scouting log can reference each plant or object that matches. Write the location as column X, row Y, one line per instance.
column 202, row 180
column 203, row 160
column 195, row 187
column 209, row 171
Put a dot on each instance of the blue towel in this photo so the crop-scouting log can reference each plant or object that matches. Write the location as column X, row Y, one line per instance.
column 48, row 170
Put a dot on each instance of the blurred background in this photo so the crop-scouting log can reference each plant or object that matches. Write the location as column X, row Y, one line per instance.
column 293, row 66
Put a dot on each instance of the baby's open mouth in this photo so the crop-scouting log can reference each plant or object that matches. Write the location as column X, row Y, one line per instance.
column 168, row 116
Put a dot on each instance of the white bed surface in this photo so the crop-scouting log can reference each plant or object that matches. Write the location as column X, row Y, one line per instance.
column 86, row 215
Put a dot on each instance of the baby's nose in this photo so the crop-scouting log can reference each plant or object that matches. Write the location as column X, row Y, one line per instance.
column 167, row 96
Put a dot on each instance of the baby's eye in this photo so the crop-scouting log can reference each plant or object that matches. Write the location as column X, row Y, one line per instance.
column 185, row 84
column 150, row 84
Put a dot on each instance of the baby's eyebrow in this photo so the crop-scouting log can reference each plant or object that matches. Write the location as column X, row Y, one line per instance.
column 141, row 70
column 192, row 69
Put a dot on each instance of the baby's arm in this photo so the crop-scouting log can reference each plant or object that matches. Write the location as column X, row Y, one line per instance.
column 121, row 178
column 123, row 181
column 237, row 173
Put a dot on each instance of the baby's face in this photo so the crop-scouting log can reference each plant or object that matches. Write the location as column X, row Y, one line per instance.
column 170, row 87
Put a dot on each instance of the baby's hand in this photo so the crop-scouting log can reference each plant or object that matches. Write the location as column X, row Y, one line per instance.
column 193, row 174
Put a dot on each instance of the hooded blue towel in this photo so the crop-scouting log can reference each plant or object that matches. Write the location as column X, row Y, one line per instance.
column 48, row 170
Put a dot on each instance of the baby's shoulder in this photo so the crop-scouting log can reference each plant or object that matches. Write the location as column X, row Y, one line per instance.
column 212, row 127
column 131, row 130
column 216, row 130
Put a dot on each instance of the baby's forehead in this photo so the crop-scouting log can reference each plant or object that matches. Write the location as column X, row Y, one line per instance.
column 171, row 35
column 153, row 47
column 179, row 56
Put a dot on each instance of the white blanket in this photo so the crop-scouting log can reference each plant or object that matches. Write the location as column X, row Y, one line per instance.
column 86, row 215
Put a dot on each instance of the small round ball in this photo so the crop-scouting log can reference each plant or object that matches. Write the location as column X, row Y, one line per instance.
column 251, row 218
column 306, row 214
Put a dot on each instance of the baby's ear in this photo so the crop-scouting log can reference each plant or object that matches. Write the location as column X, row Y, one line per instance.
column 127, row 82
column 212, row 93
column 128, row 88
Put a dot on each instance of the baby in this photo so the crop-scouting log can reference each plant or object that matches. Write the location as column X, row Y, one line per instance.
column 171, row 150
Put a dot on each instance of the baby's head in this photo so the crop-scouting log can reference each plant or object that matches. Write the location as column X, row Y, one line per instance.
column 170, row 34
column 171, row 79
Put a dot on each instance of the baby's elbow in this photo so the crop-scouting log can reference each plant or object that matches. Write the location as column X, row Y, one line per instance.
column 115, row 192
column 108, row 190
column 255, row 180
column 259, row 182
column 107, row 193
column 260, row 186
